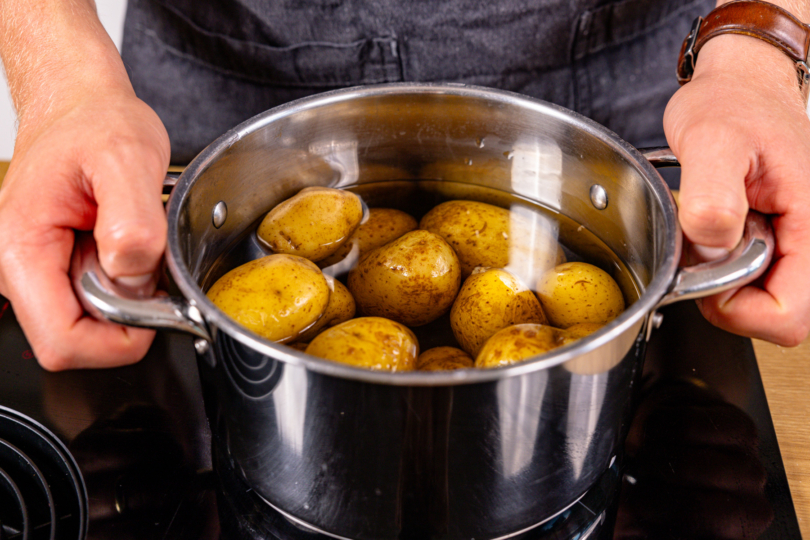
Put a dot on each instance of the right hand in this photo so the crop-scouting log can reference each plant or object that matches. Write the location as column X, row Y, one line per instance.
column 95, row 164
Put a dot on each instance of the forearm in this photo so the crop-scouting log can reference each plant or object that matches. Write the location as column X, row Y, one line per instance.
column 54, row 52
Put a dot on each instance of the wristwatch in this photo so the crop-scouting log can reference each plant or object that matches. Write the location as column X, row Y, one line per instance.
column 754, row 18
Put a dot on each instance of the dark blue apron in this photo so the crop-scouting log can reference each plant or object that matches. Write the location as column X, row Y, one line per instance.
column 207, row 65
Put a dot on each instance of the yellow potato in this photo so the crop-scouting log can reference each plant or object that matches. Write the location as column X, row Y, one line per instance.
column 488, row 301
column 516, row 343
column 443, row 359
column 493, row 237
column 383, row 226
column 578, row 292
column 578, row 331
column 368, row 342
column 533, row 247
column 277, row 297
column 341, row 308
column 589, row 364
column 312, row 224
column 412, row 280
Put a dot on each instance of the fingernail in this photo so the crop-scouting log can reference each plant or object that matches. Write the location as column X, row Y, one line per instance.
column 710, row 253
column 134, row 281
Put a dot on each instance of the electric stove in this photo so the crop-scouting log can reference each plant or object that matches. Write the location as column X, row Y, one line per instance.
column 126, row 453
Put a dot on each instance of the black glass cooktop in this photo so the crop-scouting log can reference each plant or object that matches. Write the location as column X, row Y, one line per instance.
column 125, row 453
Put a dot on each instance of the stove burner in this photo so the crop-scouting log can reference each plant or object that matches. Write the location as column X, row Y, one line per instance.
column 41, row 492
column 246, row 516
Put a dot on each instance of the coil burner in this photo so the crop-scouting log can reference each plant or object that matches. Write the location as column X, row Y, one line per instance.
column 42, row 495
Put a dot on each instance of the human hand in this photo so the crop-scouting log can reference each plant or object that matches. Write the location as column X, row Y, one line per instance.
column 94, row 163
column 741, row 132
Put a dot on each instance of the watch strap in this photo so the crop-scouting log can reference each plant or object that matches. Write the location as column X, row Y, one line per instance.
column 754, row 18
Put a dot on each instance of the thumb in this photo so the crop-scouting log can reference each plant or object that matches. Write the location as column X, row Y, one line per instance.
column 713, row 202
column 130, row 227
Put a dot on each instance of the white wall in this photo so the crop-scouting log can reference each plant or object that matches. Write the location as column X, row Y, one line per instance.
column 111, row 13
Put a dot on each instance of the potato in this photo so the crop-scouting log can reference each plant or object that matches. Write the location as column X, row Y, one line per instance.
column 443, row 359
column 533, row 247
column 341, row 308
column 589, row 364
column 488, row 301
column 312, row 224
column 516, row 343
column 277, row 297
column 368, row 342
column 493, row 237
column 412, row 280
column 579, row 292
column 578, row 331
column 383, row 226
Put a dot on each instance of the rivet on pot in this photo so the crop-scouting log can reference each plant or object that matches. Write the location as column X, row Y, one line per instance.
column 657, row 319
column 599, row 197
column 201, row 346
column 220, row 214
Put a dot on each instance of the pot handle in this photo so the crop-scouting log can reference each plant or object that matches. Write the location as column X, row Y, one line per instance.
column 745, row 263
column 102, row 298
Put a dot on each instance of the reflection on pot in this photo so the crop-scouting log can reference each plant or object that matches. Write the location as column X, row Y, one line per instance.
column 682, row 464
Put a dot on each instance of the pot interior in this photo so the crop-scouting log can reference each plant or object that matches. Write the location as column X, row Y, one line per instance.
column 424, row 144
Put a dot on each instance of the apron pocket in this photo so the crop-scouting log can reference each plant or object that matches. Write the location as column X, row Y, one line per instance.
column 308, row 64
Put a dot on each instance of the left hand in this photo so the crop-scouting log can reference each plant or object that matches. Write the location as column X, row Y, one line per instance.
column 741, row 132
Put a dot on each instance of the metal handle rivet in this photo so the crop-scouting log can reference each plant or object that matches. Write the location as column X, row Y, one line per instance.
column 220, row 214
column 599, row 197
column 657, row 320
column 201, row 346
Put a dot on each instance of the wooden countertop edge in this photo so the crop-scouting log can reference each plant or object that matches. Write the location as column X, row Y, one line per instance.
column 785, row 375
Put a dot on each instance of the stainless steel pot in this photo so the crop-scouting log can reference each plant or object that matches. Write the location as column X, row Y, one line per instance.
column 469, row 454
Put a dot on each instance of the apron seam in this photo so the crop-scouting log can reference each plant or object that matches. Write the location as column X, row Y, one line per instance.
column 280, row 48
column 255, row 80
column 372, row 80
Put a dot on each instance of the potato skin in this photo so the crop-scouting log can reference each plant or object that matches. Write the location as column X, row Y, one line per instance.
column 412, row 280
column 368, row 342
column 383, row 226
column 488, row 301
column 578, row 331
column 443, row 359
column 517, row 343
column 312, row 224
column 578, row 292
column 277, row 297
column 341, row 307
column 587, row 364
column 483, row 235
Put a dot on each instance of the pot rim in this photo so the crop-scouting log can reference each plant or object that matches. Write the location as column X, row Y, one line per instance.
column 629, row 319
